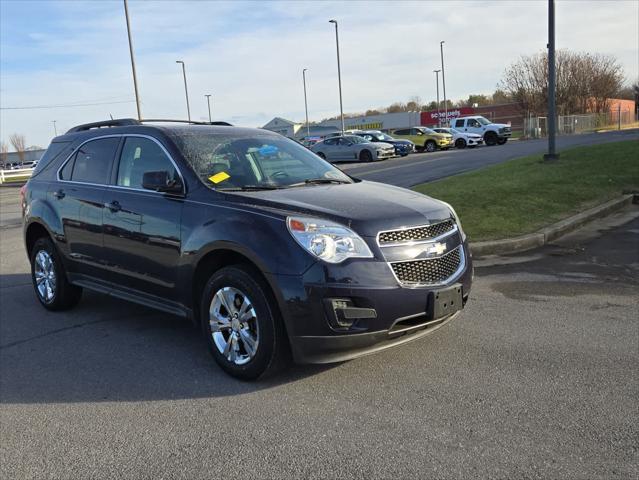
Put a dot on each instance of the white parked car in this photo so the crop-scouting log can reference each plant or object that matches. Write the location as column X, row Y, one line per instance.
column 462, row 139
column 493, row 133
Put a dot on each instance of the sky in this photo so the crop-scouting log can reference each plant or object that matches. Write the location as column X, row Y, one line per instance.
column 249, row 55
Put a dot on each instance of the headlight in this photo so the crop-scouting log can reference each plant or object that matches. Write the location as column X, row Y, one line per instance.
column 454, row 213
column 327, row 240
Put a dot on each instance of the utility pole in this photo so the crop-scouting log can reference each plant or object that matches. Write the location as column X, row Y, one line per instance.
column 135, row 77
column 55, row 129
column 439, row 115
column 186, row 90
column 308, row 128
column 208, row 102
column 552, row 115
column 441, row 48
column 339, row 76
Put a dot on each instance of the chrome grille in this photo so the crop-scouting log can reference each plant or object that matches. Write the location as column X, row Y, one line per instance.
column 431, row 271
column 424, row 232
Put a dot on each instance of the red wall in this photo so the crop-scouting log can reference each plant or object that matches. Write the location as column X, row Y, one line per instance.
column 429, row 119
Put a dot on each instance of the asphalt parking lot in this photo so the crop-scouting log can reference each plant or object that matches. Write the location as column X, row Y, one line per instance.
column 536, row 379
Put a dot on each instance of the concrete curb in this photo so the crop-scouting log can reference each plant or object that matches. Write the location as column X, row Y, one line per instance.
column 550, row 233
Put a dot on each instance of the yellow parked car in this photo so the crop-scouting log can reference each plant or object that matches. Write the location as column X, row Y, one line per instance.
column 425, row 138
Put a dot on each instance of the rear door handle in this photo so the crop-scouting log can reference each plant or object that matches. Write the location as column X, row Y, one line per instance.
column 59, row 194
column 113, row 206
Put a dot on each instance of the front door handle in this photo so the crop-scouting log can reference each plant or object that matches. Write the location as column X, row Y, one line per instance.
column 59, row 194
column 114, row 206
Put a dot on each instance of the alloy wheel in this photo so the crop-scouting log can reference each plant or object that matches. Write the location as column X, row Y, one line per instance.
column 234, row 326
column 45, row 276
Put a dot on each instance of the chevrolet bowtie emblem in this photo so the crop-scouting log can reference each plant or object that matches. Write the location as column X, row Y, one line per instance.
column 436, row 249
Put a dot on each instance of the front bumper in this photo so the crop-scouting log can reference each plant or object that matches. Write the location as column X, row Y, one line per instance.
column 385, row 154
column 401, row 312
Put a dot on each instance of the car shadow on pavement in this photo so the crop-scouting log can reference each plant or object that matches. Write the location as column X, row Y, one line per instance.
column 106, row 349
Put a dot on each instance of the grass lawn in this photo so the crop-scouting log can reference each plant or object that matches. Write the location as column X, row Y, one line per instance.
column 525, row 195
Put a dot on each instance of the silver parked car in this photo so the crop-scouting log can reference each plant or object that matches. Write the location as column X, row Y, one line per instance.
column 353, row 148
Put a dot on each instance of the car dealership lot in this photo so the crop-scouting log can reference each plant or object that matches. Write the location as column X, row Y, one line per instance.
column 537, row 378
column 425, row 167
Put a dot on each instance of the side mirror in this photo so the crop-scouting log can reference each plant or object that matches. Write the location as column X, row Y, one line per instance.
column 161, row 182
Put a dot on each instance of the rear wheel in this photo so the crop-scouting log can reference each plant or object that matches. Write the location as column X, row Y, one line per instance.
column 244, row 332
column 365, row 156
column 490, row 138
column 460, row 143
column 430, row 146
column 50, row 279
column 501, row 141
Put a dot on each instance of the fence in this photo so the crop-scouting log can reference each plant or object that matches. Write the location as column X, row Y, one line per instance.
column 537, row 127
column 7, row 176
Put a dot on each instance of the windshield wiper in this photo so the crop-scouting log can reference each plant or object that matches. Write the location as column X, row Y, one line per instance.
column 318, row 181
column 248, row 188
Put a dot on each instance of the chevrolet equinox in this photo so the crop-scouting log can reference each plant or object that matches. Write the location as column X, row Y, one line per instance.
column 273, row 252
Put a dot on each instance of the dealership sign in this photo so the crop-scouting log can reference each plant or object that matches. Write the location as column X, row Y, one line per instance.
column 432, row 117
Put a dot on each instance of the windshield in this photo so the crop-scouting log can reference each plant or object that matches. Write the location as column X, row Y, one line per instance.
column 383, row 136
column 483, row 121
column 355, row 139
column 254, row 162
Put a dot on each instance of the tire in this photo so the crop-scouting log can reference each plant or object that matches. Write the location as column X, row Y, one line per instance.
column 365, row 156
column 245, row 346
column 501, row 141
column 460, row 143
column 490, row 138
column 49, row 278
column 430, row 146
column 321, row 155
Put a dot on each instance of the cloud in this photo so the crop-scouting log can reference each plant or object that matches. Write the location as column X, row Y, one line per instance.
column 250, row 55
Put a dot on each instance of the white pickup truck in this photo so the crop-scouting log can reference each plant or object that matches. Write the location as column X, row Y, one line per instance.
column 493, row 133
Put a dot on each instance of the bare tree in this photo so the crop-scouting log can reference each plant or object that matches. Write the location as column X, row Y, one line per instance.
column 19, row 142
column 585, row 81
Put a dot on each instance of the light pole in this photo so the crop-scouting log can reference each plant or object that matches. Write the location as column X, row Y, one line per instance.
column 186, row 90
column 208, row 102
column 308, row 129
column 339, row 76
column 135, row 77
column 552, row 154
column 55, row 129
column 439, row 116
column 441, row 48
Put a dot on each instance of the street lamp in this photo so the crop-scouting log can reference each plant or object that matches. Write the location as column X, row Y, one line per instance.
column 55, row 129
column 552, row 153
column 208, row 102
column 339, row 75
column 439, row 116
column 441, row 48
column 186, row 90
column 135, row 78
column 308, row 129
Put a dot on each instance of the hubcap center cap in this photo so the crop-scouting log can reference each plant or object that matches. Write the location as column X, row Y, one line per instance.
column 235, row 324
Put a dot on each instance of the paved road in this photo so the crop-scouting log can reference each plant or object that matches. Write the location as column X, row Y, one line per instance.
column 426, row 167
column 536, row 379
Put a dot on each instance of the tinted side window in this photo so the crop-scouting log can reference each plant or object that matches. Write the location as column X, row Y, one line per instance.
column 93, row 161
column 402, row 132
column 140, row 155
column 473, row 123
column 459, row 123
column 330, row 141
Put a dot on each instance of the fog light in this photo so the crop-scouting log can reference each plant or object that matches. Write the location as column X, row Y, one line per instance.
column 342, row 313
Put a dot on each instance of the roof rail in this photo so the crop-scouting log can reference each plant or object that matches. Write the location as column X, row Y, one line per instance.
column 120, row 122
column 192, row 122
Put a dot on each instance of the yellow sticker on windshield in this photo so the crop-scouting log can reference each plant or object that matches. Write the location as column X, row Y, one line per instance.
column 219, row 177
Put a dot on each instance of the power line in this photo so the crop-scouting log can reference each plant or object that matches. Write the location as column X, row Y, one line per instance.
column 34, row 107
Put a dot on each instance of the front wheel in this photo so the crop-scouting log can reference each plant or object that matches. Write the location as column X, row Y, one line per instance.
column 50, row 279
column 244, row 333
column 365, row 156
column 501, row 141
column 460, row 143
column 490, row 138
column 430, row 146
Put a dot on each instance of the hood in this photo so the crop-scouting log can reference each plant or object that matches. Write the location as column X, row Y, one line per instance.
column 380, row 144
column 473, row 135
column 442, row 135
column 499, row 125
column 366, row 207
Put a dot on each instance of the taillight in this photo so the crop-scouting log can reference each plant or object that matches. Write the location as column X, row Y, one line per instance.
column 23, row 200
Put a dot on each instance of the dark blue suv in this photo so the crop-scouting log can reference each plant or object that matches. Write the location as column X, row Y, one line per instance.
column 273, row 252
